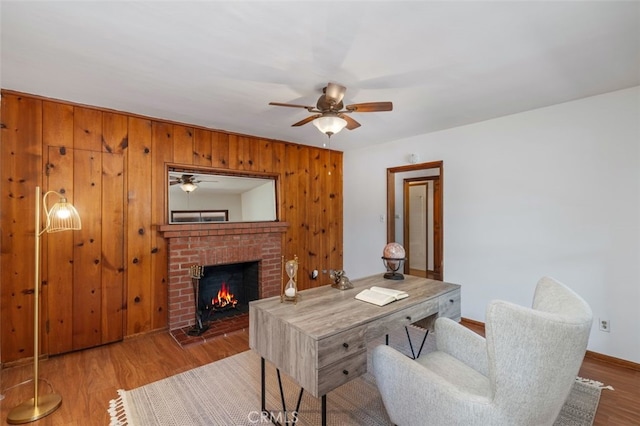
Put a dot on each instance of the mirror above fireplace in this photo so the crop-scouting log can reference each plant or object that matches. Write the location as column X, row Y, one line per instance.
column 216, row 195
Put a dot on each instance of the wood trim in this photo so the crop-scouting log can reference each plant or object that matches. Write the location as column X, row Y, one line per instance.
column 467, row 321
column 405, row 226
column 437, row 222
column 391, row 171
column 438, row 210
column 618, row 362
column 391, row 205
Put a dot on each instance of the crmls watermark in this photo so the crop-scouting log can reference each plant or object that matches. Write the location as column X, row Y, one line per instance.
column 266, row 417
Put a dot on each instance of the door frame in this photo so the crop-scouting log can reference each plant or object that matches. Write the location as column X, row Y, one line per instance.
column 438, row 209
column 407, row 183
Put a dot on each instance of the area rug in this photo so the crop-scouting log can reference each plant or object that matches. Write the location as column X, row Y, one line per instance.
column 227, row 392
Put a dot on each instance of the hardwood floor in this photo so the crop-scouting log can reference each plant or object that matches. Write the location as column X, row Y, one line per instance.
column 88, row 379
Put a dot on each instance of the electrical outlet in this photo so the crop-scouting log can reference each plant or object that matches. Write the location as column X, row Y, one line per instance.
column 605, row 325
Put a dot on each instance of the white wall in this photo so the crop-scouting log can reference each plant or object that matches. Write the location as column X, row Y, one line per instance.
column 554, row 191
column 259, row 203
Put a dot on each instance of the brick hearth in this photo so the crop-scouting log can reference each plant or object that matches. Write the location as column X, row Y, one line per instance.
column 220, row 244
column 216, row 328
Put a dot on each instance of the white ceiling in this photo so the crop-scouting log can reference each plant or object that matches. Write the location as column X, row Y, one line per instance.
column 219, row 63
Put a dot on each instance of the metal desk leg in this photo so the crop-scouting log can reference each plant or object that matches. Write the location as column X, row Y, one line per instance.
column 262, row 385
column 413, row 354
column 284, row 406
column 424, row 339
column 324, row 410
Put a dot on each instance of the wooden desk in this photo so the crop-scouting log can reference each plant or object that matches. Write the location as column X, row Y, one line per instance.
column 321, row 342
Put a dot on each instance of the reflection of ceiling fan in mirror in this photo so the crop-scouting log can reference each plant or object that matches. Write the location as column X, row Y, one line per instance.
column 330, row 115
column 188, row 183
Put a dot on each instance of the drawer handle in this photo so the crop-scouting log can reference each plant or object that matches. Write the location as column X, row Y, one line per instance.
column 409, row 318
column 450, row 300
column 345, row 372
column 346, row 345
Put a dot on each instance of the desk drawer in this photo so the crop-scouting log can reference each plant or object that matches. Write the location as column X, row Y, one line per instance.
column 339, row 373
column 397, row 320
column 341, row 345
column 450, row 305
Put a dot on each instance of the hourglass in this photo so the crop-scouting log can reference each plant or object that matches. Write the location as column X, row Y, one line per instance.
column 290, row 288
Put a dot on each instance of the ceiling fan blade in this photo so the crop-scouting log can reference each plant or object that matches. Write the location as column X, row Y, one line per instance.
column 306, row 120
column 308, row 108
column 351, row 123
column 370, row 107
column 334, row 93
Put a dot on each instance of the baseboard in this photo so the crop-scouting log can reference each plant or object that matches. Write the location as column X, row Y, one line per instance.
column 618, row 362
column 471, row 322
column 145, row 333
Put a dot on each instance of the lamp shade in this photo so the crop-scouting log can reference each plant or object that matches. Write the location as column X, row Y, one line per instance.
column 188, row 187
column 62, row 217
column 330, row 124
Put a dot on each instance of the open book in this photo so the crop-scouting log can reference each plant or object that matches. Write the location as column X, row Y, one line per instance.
column 381, row 296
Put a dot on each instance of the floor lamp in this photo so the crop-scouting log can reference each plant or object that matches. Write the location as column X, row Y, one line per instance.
column 62, row 217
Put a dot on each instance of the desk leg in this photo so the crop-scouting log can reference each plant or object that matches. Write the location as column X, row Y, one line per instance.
column 262, row 385
column 424, row 339
column 284, row 407
column 324, row 410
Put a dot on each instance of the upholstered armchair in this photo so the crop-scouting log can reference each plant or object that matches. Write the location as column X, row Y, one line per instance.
column 521, row 374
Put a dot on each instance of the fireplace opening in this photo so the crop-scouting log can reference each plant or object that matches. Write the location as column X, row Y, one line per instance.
column 226, row 290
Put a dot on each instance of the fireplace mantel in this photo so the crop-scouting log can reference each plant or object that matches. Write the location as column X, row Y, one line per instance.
column 218, row 244
column 234, row 228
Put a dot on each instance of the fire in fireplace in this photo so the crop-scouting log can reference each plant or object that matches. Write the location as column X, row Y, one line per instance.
column 226, row 290
column 224, row 300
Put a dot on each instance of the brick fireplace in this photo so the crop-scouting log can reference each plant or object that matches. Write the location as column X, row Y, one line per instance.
column 220, row 244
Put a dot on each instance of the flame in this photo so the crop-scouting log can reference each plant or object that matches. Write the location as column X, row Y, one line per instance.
column 224, row 298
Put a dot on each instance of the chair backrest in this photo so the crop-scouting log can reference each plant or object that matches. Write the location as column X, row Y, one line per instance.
column 535, row 353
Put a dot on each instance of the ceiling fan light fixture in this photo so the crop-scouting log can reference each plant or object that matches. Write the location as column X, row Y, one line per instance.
column 188, row 187
column 330, row 124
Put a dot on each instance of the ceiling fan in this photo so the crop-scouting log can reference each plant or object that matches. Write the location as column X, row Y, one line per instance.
column 330, row 113
column 188, row 183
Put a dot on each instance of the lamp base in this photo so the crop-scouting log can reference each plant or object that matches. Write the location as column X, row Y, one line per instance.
column 28, row 412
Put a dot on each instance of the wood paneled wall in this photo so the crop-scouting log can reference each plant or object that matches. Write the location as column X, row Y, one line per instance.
column 108, row 280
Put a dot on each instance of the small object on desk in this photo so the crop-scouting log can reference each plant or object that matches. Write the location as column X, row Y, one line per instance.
column 393, row 256
column 381, row 296
column 340, row 280
column 290, row 288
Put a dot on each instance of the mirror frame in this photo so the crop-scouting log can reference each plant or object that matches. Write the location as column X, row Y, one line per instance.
column 194, row 169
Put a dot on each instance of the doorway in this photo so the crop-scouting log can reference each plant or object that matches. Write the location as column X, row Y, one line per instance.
column 414, row 210
column 419, row 224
